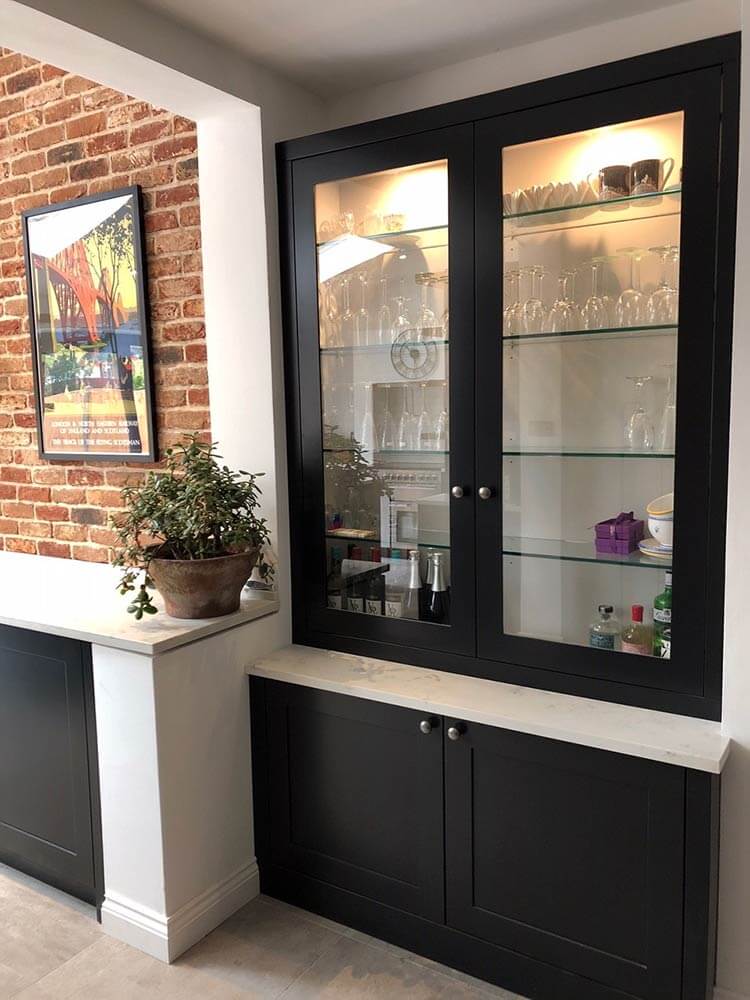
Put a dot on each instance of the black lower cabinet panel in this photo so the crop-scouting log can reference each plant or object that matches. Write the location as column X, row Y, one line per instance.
column 554, row 870
column 49, row 806
column 356, row 796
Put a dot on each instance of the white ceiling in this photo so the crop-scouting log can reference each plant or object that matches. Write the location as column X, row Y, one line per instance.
column 337, row 46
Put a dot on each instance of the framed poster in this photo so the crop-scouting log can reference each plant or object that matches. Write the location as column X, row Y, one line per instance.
column 88, row 308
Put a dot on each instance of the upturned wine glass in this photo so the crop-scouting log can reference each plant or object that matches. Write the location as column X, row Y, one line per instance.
column 426, row 426
column 386, row 436
column 384, row 314
column 401, row 322
column 361, row 319
column 639, row 431
column 565, row 316
column 512, row 311
column 594, row 315
column 533, row 311
column 662, row 303
column 347, row 316
column 425, row 317
column 667, row 424
column 631, row 306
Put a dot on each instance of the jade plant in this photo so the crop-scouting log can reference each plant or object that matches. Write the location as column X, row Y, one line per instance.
column 193, row 508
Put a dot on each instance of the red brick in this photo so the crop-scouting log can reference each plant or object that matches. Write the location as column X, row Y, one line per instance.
column 180, row 288
column 7, row 526
column 132, row 159
column 102, row 97
column 184, row 331
column 106, row 143
column 61, row 111
column 195, row 352
column 150, row 131
column 103, row 536
column 58, row 549
column 50, row 72
column 176, row 195
column 87, row 125
column 65, row 154
column 11, row 63
column 52, row 512
column 35, row 529
column 14, row 474
column 198, row 397
column 85, row 477
column 90, row 553
column 21, row 545
column 53, row 177
column 29, row 163
column 13, row 508
column 193, row 308
column 50, row 474
column 104, row 498
column 40, row 96
column 88, row 169
column 23, row 81
column 44, row 137
column 8, row 491
column 26, row 122
column 175, row 241
column 68, row 494
column 70, row 532
column 78, row 84
column 34, row 493
column 170, row 149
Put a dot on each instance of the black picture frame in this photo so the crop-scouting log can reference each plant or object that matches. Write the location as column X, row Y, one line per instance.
column 99, row 315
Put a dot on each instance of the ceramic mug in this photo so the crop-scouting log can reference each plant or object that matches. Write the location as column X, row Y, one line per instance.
column 645, row 175
column 614, row 181
column 662, row 530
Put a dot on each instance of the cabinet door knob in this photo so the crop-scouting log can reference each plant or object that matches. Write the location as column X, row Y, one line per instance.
column 484, row 492
column 425, row 726
column 454, row 733
column 457, row 492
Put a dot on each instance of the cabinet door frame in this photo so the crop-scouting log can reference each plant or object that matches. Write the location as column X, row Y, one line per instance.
column 274, row 706
column 698, row 95
column 666, row 796
column 455, row 145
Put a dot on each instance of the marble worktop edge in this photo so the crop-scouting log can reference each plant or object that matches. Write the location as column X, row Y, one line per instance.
column 697, row 744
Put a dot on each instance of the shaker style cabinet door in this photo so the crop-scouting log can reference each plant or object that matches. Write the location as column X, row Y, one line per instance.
column 355, row 796
column 383, row 423
column 596, row 340
column 47, row 802
column 569, row 856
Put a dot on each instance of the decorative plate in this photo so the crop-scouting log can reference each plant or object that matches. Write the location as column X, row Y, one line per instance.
column 412, row 357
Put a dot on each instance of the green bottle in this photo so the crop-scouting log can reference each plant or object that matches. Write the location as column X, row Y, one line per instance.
column 663, row 619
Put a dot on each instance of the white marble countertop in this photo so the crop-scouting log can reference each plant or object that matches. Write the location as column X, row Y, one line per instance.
column 638, row 732
column 79, row 600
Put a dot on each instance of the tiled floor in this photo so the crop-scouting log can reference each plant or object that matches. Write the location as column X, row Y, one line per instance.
column 51, row 948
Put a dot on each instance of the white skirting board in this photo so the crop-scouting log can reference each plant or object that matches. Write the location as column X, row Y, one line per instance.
column 166, row 938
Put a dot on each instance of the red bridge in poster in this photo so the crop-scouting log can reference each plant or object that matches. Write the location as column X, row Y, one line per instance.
column 82, row 305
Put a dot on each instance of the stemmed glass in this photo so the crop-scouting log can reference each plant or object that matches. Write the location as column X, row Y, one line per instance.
column 631, row 305
column 639, row 431
column 347, row 316
column 404, row 434
column 330, row 313
column 662, row 303
column 594, row 314
column 367, row 427
column 384, row 314
column 426, row 317
column 565, row 316
column 426, row 427
column 386, row 437
column 512, row 311
column 533, row 313
column 361, row 319
column 442, row 429
column 401, row 322
column 667, row 424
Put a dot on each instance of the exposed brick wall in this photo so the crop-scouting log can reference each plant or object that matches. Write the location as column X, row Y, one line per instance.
column 62, row 137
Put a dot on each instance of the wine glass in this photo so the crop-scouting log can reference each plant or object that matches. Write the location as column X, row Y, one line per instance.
column 403, row 434
column 631, row 305
column 594, row 315
column 384, row 314
column 668, row 420
column 533, row 313
column 347, row 316
column 512, row 312
column 426, row 426
column 386, row 438
column 564, row 316
column 639, row 431
column 426, row 317
column 361, row 319
column 367, row 427
column 662, row 303
column 401, row 322
column 442, row 430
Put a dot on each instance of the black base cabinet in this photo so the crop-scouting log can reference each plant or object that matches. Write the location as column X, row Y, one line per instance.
column 557, row 871
column 49, row 794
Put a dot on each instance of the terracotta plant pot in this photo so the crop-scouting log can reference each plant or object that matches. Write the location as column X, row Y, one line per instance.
column 202, row 588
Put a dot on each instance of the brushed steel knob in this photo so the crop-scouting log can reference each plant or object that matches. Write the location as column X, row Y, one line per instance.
column 457, row 492
column 484, row 492
column 425, row 726
column 454, row 733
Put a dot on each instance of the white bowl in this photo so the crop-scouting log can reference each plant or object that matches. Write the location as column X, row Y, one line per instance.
column 662, row 529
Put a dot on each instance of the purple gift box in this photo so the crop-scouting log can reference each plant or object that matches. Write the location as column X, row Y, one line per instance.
column 619, row 535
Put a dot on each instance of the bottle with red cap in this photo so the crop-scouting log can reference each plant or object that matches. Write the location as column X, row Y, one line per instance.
column 636, row 637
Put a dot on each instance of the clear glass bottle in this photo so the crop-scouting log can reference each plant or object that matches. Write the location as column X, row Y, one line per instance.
column 604, row 633
column 663, row 620
column 636, row 637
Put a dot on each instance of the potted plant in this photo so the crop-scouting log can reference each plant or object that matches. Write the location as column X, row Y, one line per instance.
column 192, row 532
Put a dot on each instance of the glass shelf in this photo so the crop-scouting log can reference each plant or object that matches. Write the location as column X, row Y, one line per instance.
column 594, row 213
column 607, row 333
column 405, row 239
column 583, row 453
column 561, row 551
column 392, row 453
column 364, row 349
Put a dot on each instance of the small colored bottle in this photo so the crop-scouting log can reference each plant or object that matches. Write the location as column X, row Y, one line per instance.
column 374, row 603
column 605, row 631
column 334, row 584
column 636, row 637
column 663, row 620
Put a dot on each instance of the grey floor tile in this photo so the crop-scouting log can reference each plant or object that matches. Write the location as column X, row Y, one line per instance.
column 37, row 934
column 354, row 969
column 262, row 948
column 111, row 970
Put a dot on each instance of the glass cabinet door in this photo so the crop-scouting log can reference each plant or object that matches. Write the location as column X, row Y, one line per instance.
column 598, row 317
column 383, row 542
